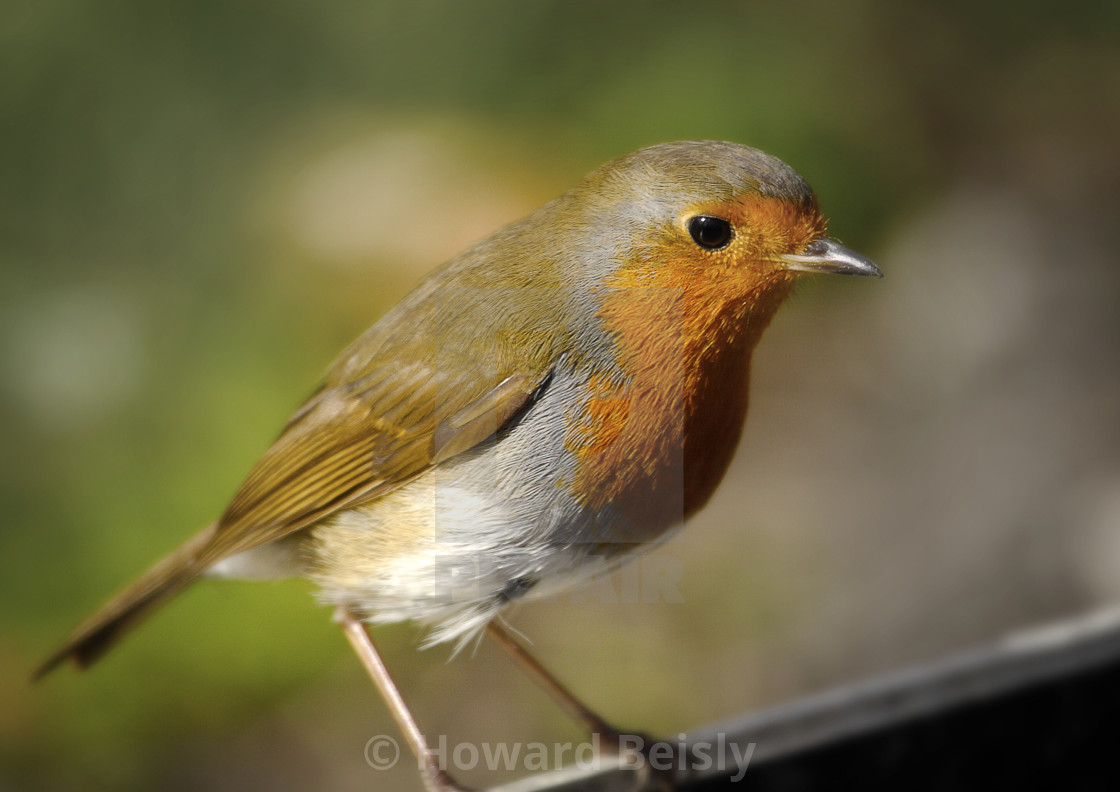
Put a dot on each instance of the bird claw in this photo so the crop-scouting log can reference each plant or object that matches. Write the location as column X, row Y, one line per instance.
column 653, row 775
column 438, row 780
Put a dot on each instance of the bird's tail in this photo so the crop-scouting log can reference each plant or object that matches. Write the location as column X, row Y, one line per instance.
column 130, row 607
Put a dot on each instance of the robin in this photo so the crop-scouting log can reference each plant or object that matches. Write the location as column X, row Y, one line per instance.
column 549, row 402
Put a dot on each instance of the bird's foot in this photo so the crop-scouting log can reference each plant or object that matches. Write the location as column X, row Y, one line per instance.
column 652, row 760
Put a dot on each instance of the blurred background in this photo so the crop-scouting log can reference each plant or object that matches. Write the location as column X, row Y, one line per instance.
column 201, row 203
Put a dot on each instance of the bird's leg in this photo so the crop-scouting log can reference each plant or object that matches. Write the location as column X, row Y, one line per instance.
column 434, row 776
column 631, row 746
column 612, row 739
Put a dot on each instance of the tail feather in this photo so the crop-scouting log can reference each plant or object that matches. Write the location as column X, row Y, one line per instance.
column 130, row 607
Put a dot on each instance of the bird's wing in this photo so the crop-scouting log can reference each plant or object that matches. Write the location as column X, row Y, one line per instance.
column 351, row 442
column 356, row 440
column 392, row 407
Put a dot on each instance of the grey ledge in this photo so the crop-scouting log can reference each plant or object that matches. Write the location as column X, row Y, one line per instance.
column 1019, row 660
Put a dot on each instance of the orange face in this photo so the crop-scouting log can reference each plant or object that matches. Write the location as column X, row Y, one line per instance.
column 685, row 319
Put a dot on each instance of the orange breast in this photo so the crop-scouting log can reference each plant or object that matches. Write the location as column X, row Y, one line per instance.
column 654, row 438
column 655, row 442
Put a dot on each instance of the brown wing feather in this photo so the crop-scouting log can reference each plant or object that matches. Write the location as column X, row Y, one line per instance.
column 353, row 447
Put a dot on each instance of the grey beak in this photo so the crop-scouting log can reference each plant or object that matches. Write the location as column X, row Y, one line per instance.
column 826, row 255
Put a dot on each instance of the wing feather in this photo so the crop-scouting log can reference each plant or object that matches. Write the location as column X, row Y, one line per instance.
column 354, row 444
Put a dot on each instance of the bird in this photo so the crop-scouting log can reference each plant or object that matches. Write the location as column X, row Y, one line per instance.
column 558, row 397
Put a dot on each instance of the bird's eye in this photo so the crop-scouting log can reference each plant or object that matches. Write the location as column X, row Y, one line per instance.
column 709, row 232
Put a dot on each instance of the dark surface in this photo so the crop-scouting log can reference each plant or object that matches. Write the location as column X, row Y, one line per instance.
column 1032, row 710
column 1057, row 734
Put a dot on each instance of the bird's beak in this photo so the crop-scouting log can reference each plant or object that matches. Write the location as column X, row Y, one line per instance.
column 826, row 255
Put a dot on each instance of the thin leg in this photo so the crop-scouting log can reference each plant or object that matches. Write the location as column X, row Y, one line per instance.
column 630, row 745
column 567, row 700
column 435, row 779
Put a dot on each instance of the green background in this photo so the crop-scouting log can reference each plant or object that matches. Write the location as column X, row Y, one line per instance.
column 201, row 203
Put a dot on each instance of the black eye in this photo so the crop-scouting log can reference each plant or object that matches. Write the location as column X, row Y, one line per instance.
column 710, row 232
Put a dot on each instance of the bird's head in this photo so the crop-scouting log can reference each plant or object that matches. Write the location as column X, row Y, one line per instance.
column 696, row 240
column 685, row 212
